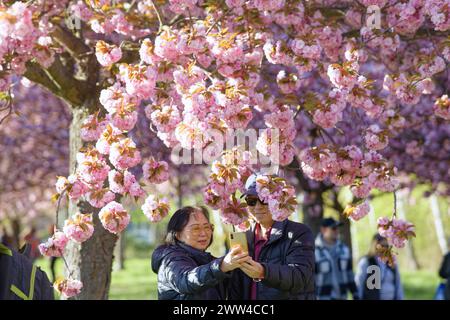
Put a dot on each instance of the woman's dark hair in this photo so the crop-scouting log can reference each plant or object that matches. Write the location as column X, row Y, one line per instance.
column 179, row 220
column 377, row 239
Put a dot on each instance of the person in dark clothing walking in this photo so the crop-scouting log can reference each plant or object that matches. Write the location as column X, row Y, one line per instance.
column 185, row 271
column 444, row 272
column 334, row 270
column 282, row 256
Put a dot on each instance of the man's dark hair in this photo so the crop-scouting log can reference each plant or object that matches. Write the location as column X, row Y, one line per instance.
column 179, row 220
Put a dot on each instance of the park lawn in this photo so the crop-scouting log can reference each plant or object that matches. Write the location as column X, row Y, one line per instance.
column 138, row 282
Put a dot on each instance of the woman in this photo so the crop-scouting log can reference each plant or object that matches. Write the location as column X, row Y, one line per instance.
column 390, row 285
column 185, row 271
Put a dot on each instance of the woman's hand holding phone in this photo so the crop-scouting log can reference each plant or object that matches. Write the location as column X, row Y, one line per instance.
column 234, row 259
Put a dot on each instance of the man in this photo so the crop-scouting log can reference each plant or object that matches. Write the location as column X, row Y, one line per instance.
column 282, row 256
column 334, row 270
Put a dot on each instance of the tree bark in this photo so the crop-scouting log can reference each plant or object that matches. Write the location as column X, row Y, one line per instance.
column 345, row 230
column 16, row 230
column 409, row 245
column 120, row 253
column 313, row 210
column 90, row 261
column 440, row 233
column 312, row 206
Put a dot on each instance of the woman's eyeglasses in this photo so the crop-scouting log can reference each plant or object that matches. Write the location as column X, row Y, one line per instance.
column 251, row 202
column 196, row 229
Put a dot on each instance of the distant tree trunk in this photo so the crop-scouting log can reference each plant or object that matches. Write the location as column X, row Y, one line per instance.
column 412, row 258
column 16, row 230
column 312, row 205
column 119, row 256
column 345, row 229
column 439, row 226
column 179, row 191
column 90, row 261
column 355, row 248
column 313, row 210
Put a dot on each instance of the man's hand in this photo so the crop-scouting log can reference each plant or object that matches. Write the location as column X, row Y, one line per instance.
column 253, row 269
column 233, row 259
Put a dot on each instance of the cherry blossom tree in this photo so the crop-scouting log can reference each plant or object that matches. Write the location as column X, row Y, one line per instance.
column 34, row 148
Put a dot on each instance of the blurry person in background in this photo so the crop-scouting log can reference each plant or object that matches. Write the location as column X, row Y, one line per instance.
column 390, row 284
column 334, row 269
column 444, row 272
column 185, row 270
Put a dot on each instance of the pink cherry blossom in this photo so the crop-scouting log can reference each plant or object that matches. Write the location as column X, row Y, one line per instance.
column 124, row 154
column 54, row 247
column 139, row 80
column 114, row 217
column 74, row 186
column 181, row 6
column 442, row 107
column 93, row 127
column 357, row 212
column 107, row 54
column 99, row 198
column 79, row 228
column 397, row 231
column 155, row 209
column 155, row 171
column 342, row 77
column 68, row 287
column 376, row 139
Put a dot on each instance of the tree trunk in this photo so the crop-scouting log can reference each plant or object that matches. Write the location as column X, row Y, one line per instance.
column 345, row 232
column 16, row 231
column 179, row 191
column 120, row 252
column 440, row 233
column 313, row 210
column 409, row 245
column 90, row 261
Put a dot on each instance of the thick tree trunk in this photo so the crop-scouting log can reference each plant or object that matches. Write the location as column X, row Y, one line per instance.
column 90, row 261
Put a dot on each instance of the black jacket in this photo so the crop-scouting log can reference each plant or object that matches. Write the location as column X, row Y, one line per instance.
column 444, row 272
column 288, row 260
column 185, row 273
column 17, row 273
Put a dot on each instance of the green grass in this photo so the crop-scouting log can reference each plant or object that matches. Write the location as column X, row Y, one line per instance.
column 419, row 285
column 138, row 282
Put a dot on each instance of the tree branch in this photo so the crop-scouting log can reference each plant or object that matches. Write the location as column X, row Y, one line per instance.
column 75, row 46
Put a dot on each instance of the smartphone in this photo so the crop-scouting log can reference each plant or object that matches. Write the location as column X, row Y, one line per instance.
column 239, row 239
